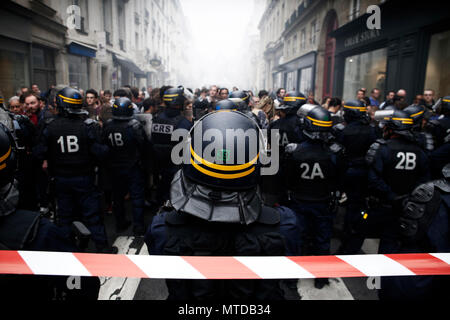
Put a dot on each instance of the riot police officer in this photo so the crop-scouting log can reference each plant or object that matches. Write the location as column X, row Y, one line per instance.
column 422, row 227
column 242, row 98
column 127, row 142
column 312, row 174
column 72, row 146
column 26, row 230
column 218, row 211
column 424, row 139
column 24, row 134
column 397, row 164
column 440, row 127
column 356, row 135
column 289, row 127
column 226, row 105
column 163, row 126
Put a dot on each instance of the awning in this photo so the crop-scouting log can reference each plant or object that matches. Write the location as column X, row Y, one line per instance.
column 82, row 50
column 130, row 65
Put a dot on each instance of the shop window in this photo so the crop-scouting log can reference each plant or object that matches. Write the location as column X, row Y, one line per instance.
column 43, row 67
column 306, row 84
column 437, row 76
column 367, row 70
column 15, row 72
column 78, row 71
column 291, row 81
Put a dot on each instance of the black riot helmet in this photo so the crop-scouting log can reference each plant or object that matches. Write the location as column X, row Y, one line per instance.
column 443, row 106
column 292, row 102
column 70, row 101
column 226, row 104
column 315, row 118
column 355, row 110
column 228, row 161
column 242, row 99
column 8, row 160
column 176, row 97
column 396, row 120
column 417, row 113
column 122, row 109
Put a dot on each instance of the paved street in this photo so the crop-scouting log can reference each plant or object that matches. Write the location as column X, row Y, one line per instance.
column 155, row 289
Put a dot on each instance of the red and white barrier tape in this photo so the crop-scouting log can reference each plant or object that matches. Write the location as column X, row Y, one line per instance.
column 171, row 267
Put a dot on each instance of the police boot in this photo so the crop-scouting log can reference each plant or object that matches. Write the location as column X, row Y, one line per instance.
column 320, row 283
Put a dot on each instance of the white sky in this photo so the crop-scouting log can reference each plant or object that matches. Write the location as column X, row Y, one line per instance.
column 218, row 29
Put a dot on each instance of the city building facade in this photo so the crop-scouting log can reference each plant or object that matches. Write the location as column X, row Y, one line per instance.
column 100, row 44
column 326, row 47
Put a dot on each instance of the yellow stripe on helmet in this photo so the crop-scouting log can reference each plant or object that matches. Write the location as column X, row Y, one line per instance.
column 417, row 114
column 6, row 155
column 320, row 121
column 222, row 176
column 3, row 166
column 222, row 167
column 291, row 99
column 70, row 100
column 362, row 109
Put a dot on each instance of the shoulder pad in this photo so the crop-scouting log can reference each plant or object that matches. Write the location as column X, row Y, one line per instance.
column 49, row 120
column 373, row 150
column 336, row 147
column 429, row 141
column 423, row 193
column 339, row 127
column 269, row 216
column 291, row 148
column 442, row 185
column 89, row 122
column 134, row 123
column 433, row 123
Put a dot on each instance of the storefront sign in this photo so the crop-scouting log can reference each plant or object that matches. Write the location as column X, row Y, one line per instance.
column 362, row 37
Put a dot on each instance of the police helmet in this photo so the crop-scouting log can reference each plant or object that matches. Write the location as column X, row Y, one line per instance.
column 226, row 104
column 443, row 106
column 292, row 102
column 69, row 100
column 315, row 118
column 355, row 110
column 122, row 109
column 8, row 159
column 396, row 120
column 233, row 162
column 242, row 99
column 417, row 113
column 176, row 97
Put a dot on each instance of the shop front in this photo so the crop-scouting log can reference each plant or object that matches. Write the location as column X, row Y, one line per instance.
column 408, row 52
column 299, row 74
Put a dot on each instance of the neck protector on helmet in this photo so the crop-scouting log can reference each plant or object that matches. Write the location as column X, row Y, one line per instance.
column 215, row 206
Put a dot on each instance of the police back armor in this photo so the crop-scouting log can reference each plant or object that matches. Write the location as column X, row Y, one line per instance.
column 125, row 139
column 288, row 129
column 190, row 236
column 162, row 129
column 356, row 139
column 403, row 165
column 69, row 147
column 311, row 172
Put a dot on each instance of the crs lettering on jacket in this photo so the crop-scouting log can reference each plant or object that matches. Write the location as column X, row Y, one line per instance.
column 162, row 128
